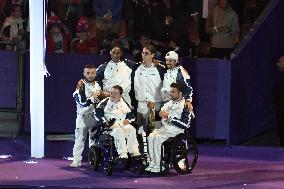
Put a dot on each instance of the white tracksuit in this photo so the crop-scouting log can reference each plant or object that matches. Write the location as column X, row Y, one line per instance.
column 176, row 75
column 177, row 121
column 124, row 135
column 84, row 101
column 147, row 87
column 111, row 73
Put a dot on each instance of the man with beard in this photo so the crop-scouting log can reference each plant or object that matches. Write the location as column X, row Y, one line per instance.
column 86, row 95
column 176, row 74
column 175, row 118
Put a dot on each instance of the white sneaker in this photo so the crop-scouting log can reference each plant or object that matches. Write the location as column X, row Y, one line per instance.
column 149, row 168
column 75, row 164
column 123, row 156
column 136, row 153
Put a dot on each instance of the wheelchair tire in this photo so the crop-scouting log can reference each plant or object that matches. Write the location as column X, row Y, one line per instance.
column 94, row 158
column 108, row 168
column 185, row 154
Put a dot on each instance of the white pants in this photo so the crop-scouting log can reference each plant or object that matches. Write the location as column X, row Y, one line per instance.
column 125, row 140
column 155, row 141
column 81, row 132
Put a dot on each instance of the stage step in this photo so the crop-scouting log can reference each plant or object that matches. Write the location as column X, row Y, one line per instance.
column 9, row 124
column 67, row 137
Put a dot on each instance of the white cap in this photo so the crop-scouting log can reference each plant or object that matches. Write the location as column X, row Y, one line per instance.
column 172, row 55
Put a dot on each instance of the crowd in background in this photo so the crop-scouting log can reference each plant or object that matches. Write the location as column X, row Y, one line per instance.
column 90, row 26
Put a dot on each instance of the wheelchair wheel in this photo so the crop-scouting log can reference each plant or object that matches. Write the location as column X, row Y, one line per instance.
column 165, row 169
column 185, row 154
column 108, row 168
column 94, row 158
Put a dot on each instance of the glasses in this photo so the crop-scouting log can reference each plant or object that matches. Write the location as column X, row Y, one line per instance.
column 146, row 53
column 114, row 93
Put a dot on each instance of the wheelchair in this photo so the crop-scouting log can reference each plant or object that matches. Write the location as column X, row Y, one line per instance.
column 103, row 151
column 179, row 152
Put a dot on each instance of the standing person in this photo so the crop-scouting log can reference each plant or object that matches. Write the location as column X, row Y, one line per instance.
column 115, row 72
column 176, row 74
column 114, row 107
column 223, row 26
column 147, row 80
column 86, row 95
column 13, row 27
column 175, row 118
column 58, row 36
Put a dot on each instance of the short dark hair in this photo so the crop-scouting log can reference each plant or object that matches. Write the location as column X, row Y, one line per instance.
column 150, row 47
column 116, row 43
column 89, row 66
column 178, row 86
column 118, row 87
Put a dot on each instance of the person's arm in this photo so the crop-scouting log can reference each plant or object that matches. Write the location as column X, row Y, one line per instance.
column 184, row 79
column 235, row 29
column 130, row 117
column 101, row 74
column 80, row 95
column 184, row 121
column 99, row 112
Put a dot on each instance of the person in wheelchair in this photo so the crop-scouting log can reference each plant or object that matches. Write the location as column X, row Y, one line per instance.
column 115, row 107
column 175, row 118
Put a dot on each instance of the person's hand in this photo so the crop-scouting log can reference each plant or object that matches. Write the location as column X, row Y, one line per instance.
column 125, row 122
column 164, row 114
column 105, row 94
column 96, row 94
column 114, row 126
column 189, row 106
column 168, row 20
column 151, row 105
column 80, row 84
column 224, row 29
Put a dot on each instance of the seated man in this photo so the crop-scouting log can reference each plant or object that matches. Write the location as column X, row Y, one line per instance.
column 175, row 118
column 124, row 134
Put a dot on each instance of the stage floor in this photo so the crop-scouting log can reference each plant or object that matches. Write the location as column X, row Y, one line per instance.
column 218, row 166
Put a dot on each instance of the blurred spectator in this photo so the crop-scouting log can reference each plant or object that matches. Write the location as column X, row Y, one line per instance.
column 138, row 47
column 3, row 12
column 108, row 15
column 13, row 27
column 168, row 20
column 223, row 26
column 69, row 12
column 58, row 37
column 107, row 42
column 136, row 14
column 84, row 43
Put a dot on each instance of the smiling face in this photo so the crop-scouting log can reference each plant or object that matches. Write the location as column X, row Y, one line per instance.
column 90, row 74
column 171, row 63
column 116, row 54
column 115, row 95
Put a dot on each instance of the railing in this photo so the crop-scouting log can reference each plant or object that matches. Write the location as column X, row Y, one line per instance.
column 12, row 70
